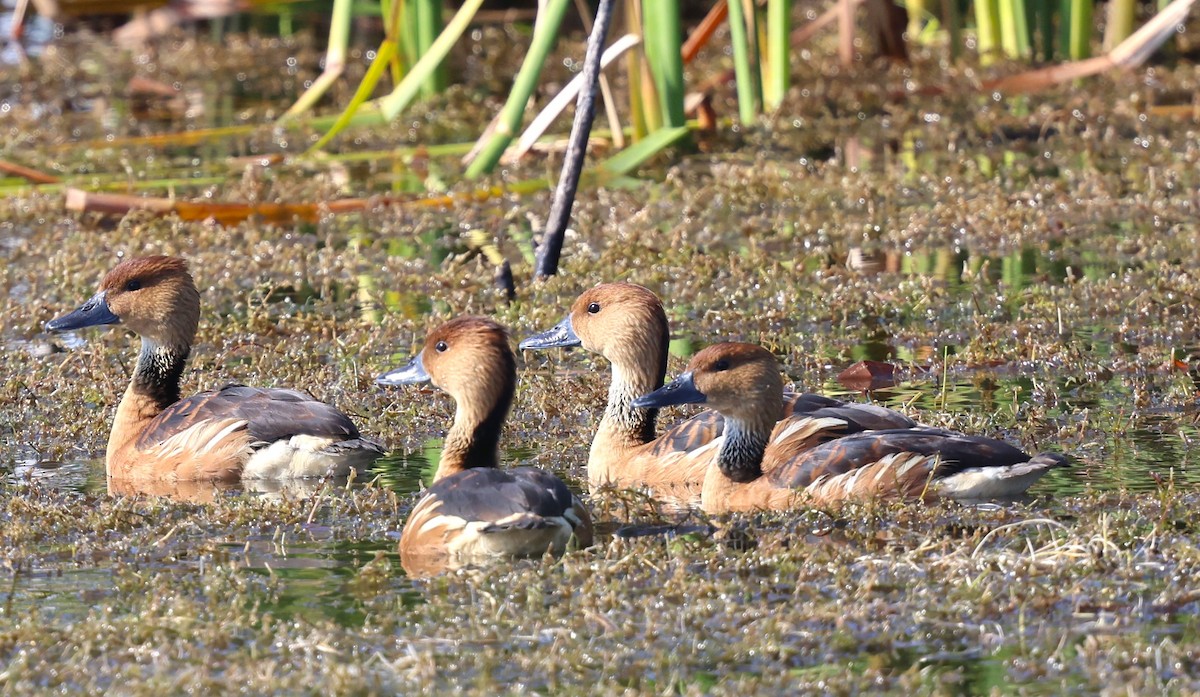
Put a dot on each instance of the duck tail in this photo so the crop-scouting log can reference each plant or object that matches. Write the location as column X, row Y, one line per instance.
column 1047, row 461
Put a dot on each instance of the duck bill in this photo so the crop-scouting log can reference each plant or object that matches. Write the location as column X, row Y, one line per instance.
column 560, row 335
column 92, row 313
column 412, row 373
column 681, row 390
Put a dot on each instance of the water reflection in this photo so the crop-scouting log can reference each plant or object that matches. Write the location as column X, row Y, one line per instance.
column 208, row 491
column 1124, row 436
column 407, row 473
column 1055, row 264
column 1008, row 148
column 88, row 476
column 71, row 593
column 960, row 273
column 77, row 475
column 322, row 578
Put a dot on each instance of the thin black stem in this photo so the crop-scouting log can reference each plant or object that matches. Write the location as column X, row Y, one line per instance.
column 503, row 278
column 550, row 250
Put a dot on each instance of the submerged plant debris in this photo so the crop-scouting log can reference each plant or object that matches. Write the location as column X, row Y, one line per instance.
column 1027, row 265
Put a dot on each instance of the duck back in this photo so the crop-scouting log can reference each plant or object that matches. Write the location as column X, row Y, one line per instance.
column 270, row 414
column 918, row 462
column 485, row 512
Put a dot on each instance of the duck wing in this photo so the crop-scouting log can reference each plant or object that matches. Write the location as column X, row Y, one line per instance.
column 494, row 496
column 843, row 418
column 269, row 415
column 857, row 416
column 486, row 511
column 689, row 434
column 901, row 461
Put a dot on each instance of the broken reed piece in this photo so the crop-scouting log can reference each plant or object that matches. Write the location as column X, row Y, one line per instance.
column 27, row 173
column 234, row 213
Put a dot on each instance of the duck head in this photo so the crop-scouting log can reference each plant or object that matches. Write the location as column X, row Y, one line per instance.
column 617, row 320
column 154, row 296
column 742, row 381
column 469, row 358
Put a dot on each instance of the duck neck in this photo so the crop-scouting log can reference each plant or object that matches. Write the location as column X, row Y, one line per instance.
column 629, row 383
column 624, row 427
column 474, row 439
column 154, row 387
column 159, row 372
column 741, row 455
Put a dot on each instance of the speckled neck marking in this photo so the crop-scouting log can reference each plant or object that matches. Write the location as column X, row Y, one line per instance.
column 627, row 386
column 159, row 372
column 742, row 452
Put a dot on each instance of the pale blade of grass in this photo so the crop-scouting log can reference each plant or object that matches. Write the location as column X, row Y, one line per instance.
column 537, row 127
column 391, row 105
column 335, row 60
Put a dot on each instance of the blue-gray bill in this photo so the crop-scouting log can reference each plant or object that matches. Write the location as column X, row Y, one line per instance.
column 560, row 335
column 412, row 373
column 681, row 390
column 92, row 313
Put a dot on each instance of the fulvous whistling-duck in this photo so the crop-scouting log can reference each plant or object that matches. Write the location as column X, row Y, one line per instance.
column 233, row 433
column 626, row 324
column 763, row 463
column 473, row 509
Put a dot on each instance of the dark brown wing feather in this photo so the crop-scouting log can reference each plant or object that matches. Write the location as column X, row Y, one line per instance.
column 858, row 417
column 527, row 497
column 689, row 434
column 708, row 425
column 272, row 414
column 955, row 451
column 489, row 495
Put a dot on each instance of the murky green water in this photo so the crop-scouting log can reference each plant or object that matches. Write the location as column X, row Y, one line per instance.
column 315, row 570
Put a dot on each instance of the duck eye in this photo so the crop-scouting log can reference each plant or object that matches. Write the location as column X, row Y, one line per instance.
column 593, row 308
column 135, row 284
column 441, row 346
column 721, row 365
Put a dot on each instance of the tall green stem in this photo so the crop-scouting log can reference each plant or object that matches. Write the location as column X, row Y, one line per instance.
column 916, row 18
column 402, row 96
column 1043, row 13
column 749, row 96
column 987, row 24
column 953, row 19
column 663, row 35
column 780, row 70
column 1014, row 28
column 428, row 26
column 1076, row 24
column 545, row 34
